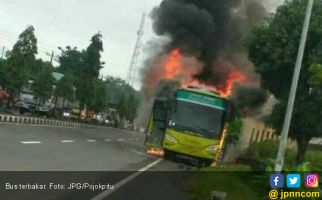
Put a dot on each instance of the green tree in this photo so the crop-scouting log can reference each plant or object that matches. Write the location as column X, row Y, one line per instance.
column 316, row 78
column 273, row 49
column 132, row 104
column 21, row 61
column 43, row 85
column 70, row 61
column 3, row 78
column 89, row 73
column 125, row 96
column 100, row 96
column 115, row 81
column 121, row 107
column 65, row 89
column 92, row 57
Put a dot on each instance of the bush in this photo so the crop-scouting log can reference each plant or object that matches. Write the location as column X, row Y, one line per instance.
column 265, row 149
column 234, row 130
column 315, row 158
column 266, row 152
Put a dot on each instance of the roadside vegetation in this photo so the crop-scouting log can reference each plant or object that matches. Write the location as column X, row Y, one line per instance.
column 250, row 181
column 81, row 83
column 272, row 47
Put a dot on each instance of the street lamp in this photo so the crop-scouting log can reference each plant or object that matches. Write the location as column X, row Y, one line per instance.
column 290, row 104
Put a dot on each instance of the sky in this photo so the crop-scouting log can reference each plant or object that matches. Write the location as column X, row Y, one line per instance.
column 73, row 22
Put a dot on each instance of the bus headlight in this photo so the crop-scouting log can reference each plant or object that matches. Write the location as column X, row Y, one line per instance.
column 212, row 148
column 170, row 139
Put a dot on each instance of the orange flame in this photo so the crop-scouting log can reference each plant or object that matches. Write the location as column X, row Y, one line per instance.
column 233, row 77
column 198, row 84
column 172, row 66
column 225, row 90
column 155, row 151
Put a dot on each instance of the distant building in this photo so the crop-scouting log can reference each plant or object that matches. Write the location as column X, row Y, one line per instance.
column 27, row 95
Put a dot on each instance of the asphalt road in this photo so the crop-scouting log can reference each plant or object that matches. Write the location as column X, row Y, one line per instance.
column 38, row 148
column 101, row 154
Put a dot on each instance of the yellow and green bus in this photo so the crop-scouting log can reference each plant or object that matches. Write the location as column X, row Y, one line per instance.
column 191, row 125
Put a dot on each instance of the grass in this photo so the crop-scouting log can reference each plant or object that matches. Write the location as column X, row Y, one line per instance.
column 232, row 179
column 314, row 157
column 240, row 182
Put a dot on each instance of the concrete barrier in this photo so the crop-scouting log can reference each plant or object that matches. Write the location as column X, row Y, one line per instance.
column 38, row 121
column 41, row 121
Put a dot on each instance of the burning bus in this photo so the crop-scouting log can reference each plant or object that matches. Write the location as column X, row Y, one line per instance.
column 189, row 124
column 187, row 121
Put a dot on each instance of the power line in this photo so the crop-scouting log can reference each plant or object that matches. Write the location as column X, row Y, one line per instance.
column 15, row 36
column 41, row 48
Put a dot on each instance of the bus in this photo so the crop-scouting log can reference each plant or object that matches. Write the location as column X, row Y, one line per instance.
column 191, row 125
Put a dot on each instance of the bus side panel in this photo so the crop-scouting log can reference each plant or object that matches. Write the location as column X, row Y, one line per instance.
column 155, row 133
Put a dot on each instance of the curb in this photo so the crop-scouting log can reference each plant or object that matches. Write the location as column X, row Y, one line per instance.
column 42, row 121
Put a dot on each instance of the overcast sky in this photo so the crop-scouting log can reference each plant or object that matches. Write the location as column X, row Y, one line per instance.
column 73, row 22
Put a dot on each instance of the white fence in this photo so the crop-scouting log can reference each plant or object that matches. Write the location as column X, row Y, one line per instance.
column 252, row 132
column 40, row 121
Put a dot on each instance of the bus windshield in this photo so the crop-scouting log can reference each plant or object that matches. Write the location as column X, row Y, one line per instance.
column 197, row 119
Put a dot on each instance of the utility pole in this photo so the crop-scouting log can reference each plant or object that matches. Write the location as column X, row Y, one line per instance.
column 136, row 52
column 290, row 104
column 2, row 54
column 51, row 56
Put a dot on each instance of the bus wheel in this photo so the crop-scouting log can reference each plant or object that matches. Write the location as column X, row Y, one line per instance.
column 167, row 154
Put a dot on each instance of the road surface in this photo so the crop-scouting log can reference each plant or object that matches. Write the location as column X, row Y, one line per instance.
column 38, row 148
column 99, row 153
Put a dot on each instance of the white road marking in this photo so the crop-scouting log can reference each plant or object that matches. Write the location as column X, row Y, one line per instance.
column 126, row 180
column 91, row 140
column 120, row 139
column 31, row 142
column 107, row 140
column 139, row 152
column 67, row 141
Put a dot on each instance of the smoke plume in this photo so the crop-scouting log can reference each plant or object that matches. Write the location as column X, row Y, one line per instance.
column 209, row 30
column 248, row 99
column 209, row 35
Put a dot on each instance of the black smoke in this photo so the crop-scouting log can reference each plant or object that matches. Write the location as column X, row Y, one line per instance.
column 209, row 30
column 248, row 100
column 210, row 33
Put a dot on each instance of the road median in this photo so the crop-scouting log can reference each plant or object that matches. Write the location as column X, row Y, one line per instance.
column 7, row 118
